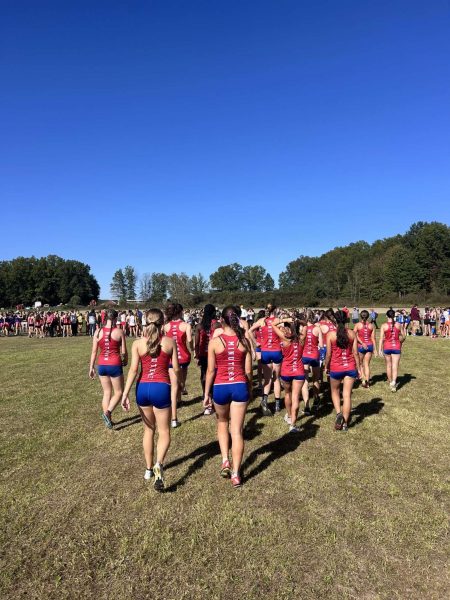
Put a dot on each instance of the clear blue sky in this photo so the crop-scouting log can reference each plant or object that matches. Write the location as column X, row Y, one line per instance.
column 182, row 135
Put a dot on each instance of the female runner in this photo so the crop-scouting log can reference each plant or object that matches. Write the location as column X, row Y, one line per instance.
column 181, row 333
column 311, row 360
column 365, row 337
column 342, row 360
column 30, row 321
column 153, row 352
column 257, row 338
column 292, row 369
column 203, row 335
column 391, row 341
column 327, row 323
column 271, row 357
column 230, row 353
column 110, row 340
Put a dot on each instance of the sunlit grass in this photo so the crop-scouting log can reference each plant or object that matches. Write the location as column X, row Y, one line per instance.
column 321, row 515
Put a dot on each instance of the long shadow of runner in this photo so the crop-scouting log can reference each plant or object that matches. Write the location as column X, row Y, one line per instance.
column 276, row 449
column 208, row 451
column 365, row 409
column 401, row 381
column 118, row 425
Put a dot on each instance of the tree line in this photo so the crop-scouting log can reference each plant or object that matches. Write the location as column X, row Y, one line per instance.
column 51, row 280
column 416, row 264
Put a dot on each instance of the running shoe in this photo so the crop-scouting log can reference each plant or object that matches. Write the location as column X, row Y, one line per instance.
column 344, row 426
column 106, row 416
column 265, row 409
column 294, row 429
column 208, row 411
column 393, row 386
column 339, row 422
column 225, row 469
column 287, row 419
column 159, row 477
column 175, row 423
column 235, row 480
column 277, row 405
column 148, row 474
column 184, row 392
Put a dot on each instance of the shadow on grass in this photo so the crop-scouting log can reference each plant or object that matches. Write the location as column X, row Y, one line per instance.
column 276, row 449
column 118, row 425
column 196, row 400
column 208, row 451
column 365, row 409
column 401, row 381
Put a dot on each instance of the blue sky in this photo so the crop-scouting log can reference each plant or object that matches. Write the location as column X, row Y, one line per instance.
column 182, row 135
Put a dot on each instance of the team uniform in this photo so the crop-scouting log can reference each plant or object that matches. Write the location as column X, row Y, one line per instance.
column 179, row 336
column 292, row 366
column 270, row 344
column 342, row 362
column 323, row 351
column 203, row 344
column 311, row 353
column 230, row 384
column 365, row 335
column 109, row 360
column 153, row 386
column 391, row 342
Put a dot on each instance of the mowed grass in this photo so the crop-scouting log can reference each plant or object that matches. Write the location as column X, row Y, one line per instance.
column 321, row 515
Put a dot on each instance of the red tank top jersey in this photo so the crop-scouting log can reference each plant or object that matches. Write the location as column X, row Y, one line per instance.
column 331, row 327
column 364, row 334
column 292, row 365
column 109, row 349
column 155, row 369
column 231, row 362
column 270, row 342
column 30, row 320
column 342, row 359
column 311, row 349
column 184, row 356
column 204, row 339
column 391, row 338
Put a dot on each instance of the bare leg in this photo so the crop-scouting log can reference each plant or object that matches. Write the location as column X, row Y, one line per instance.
column 395, row 360
column 148, row 419
column 347, row 397
column 223, row 416
column 276, row 380
column 237, row 416
column 287, row 385
column 305, row 388
column 107, row 391
column 267, row 373
column 316, row 382
column 295, row 396
column 366, row 365
column 117, row 384
column 174, row 393
column 388, row 366
column 336, row 394
column 162, row 416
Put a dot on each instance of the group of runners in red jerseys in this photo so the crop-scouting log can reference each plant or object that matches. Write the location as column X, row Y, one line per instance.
column 296, row 352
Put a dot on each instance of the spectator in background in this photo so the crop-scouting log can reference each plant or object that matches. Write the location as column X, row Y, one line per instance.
column 92, row 321
column 415, row 319
column 355, row 315
column 373, row 318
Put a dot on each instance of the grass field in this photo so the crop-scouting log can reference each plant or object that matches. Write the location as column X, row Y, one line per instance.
column 321, row 515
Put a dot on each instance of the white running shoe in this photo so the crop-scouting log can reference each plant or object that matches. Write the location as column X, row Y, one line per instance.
column 148, row 474
column 174, row 423
column 393, row 386
column 294, row 429
column 159, row 477
column 208, row 411
column 287, row 419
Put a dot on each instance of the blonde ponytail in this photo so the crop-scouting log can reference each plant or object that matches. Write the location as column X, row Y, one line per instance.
column 152, row 331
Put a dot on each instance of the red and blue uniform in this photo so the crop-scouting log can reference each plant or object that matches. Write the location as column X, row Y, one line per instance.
column 179, row 336
column 109, row 361
column 342, row 362
column 230, row 384
column 270, row 343
column 391, row 342
column 153, row 386
column 365, row 335
column 311, row 349
column 292, row 366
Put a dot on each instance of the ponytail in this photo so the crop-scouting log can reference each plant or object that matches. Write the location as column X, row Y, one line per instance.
column 341, row 332
column 152, row 331
column 230, row 315
column 391, row 315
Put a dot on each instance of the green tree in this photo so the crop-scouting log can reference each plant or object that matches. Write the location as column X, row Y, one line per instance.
column 118, row 286
column 227, row 278
column 130, row 277
column 159, row 283
column 145, row 287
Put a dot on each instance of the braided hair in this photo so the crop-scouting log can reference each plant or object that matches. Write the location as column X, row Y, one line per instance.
column 341, row 332
column 391, row 315
column 230, row 315
column 154, row 319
